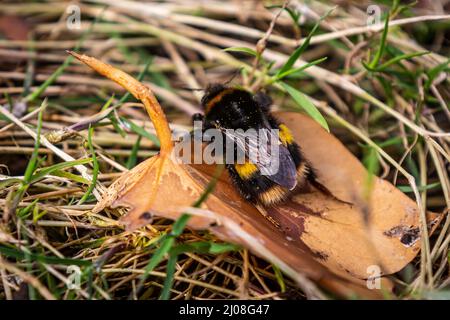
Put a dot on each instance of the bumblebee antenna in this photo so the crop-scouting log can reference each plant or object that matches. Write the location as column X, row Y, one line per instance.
column 233, row 76
column 192, row 89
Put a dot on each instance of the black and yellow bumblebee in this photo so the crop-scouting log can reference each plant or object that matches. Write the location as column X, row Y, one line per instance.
column 235, row 108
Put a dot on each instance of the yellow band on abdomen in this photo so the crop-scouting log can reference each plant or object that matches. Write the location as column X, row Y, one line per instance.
column 246, row 170
column 285, row 135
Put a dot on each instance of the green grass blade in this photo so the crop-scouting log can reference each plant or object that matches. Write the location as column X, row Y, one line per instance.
column 112, row 117
column 296, row 70
column 294, row 14
column 379, row 54
column 430, row 186
column 35, row 94
column 242, row 50
column 434, row 72
column 37, row 215
column 41, row 173
column 107, row 103
column 298, row 52
column 70, row 176
column 141, row 131
column 95, row 167
column 204, row 248
column 395, row 60
column 24, row 212
column 156, row 259
column 400, row 58
column 306, row 105
column 372, row 164
column 170, row 271
column 279, row 277
column 132, row 160
column 8, row 182
column 31, row 167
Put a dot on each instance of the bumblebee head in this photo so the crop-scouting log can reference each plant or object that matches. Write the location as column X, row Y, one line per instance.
column 211, row 91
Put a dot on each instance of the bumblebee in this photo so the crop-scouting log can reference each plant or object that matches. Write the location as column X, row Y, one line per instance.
column 233, row 108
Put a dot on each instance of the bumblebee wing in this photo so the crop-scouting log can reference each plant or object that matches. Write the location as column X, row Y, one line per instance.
column 264, row 149
column 286, row 174
column 277, row 164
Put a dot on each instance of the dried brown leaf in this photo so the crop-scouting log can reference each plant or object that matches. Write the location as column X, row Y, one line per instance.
column 337, row 231
column 161, row 187
column 313, row 236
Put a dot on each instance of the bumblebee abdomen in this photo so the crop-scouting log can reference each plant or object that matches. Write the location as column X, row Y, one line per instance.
column 258, row 188
column 255, row 187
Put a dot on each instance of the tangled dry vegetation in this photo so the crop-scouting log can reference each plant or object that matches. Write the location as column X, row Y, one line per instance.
column 66, row 134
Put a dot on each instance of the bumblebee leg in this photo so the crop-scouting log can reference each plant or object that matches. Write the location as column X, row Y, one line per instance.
column 197, row 117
